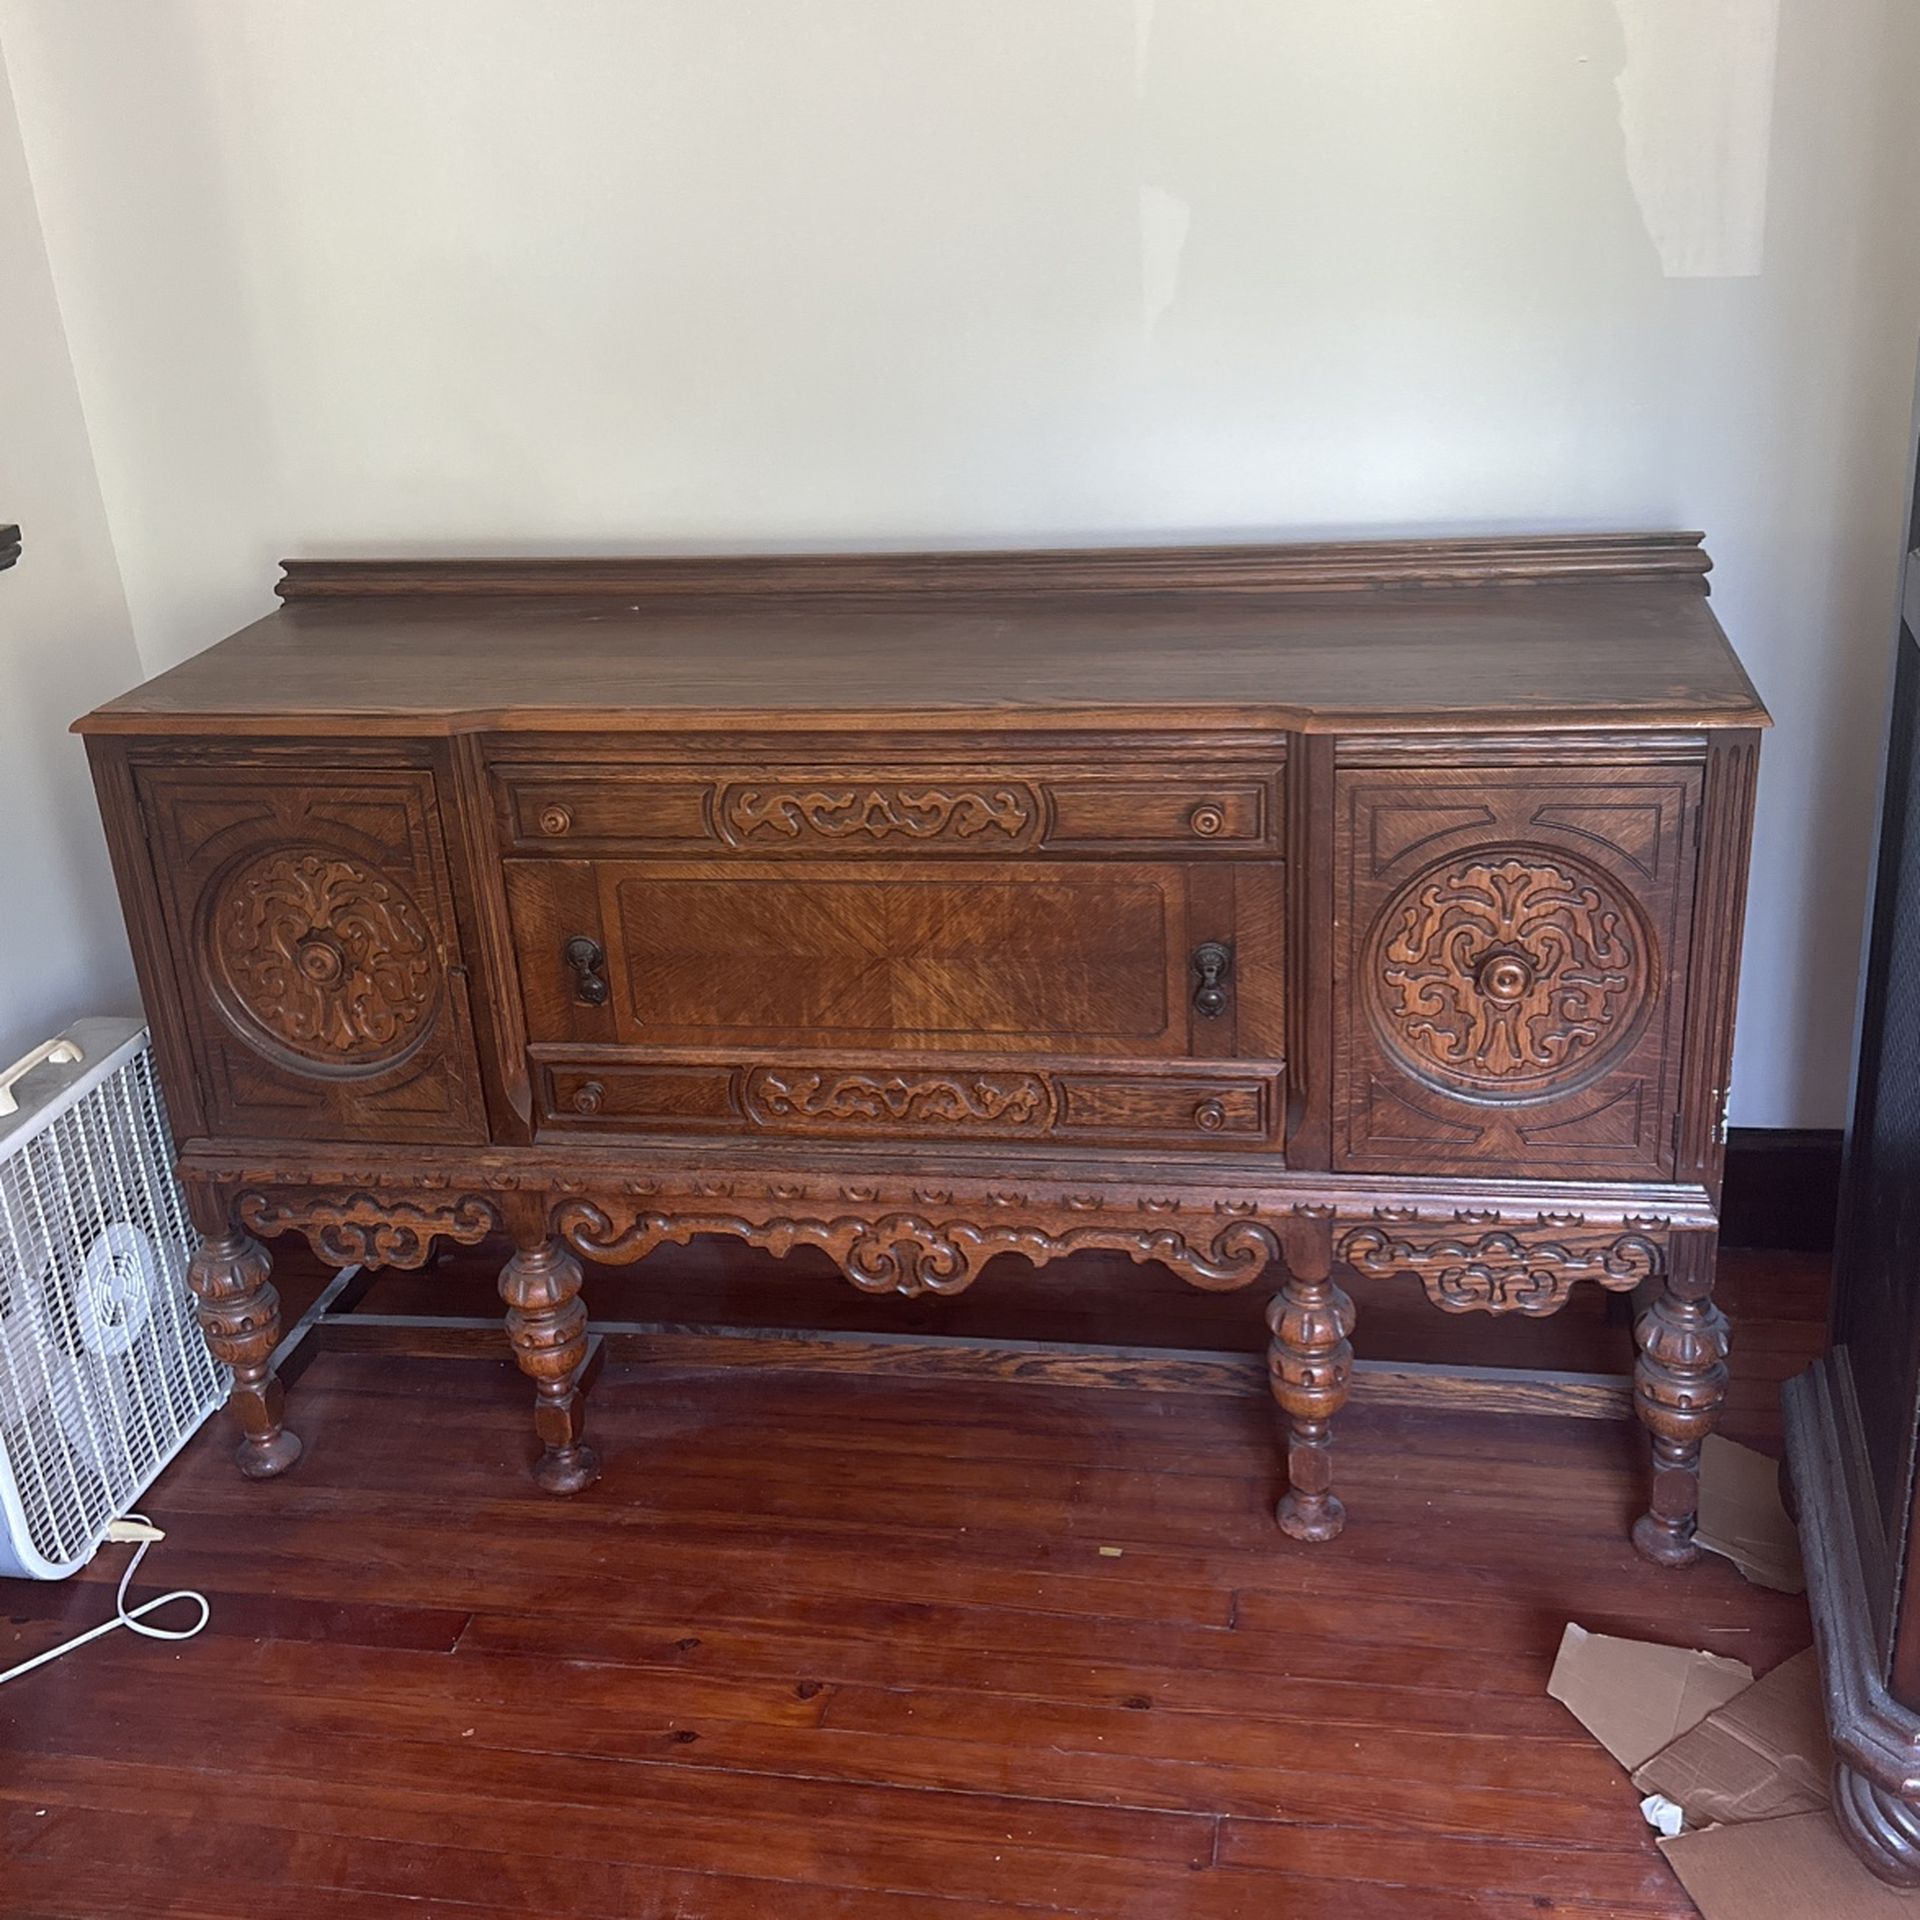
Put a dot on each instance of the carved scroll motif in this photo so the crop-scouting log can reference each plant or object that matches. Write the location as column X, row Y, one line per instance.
column 917, row 1253
column 878, row 812
column 1503, row 1272
column 996, row 1102
column 349, row 1228
column 322, row 956
column 1502, row 977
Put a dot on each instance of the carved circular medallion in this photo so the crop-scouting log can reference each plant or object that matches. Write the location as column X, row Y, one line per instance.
column 315, row 953
column 1510, row 975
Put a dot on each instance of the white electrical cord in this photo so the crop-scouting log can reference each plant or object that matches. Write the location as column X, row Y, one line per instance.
column 132, row 1526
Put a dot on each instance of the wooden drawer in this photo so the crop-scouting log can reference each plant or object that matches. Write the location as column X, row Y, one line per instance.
column 984, row 1099
column 1231, row 807
column 1038, row 957
column 1036, row 999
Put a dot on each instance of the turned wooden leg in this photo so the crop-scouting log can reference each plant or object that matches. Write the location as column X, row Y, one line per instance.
column 240, row 1317
column 547, row 1326
column 1679, row 1386
column 1309, row 1364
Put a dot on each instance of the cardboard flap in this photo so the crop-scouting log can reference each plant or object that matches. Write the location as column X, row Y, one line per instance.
column 1635, row 1697
column 1743, row 1518
column 1761, row 1756
column 1798, row 1868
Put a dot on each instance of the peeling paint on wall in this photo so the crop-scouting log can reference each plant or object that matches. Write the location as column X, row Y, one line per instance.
column 1696, row 110
column 1165, row 220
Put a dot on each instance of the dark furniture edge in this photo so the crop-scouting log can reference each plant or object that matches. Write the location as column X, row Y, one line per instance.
column 1281, row 568
column 1876, row 1797
column 9, row 546
column 1782, row 1188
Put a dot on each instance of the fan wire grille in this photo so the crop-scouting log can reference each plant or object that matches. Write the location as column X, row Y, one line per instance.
column 103, row 1372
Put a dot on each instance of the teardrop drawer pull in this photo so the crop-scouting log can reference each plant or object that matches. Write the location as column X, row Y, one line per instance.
column 1212, row 966
column 588, row 960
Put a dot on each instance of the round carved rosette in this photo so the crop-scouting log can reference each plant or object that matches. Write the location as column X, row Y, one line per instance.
column 1512, row 974
column 317, row 955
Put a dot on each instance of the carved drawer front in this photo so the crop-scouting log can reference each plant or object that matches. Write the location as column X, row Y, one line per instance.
column 313, row 938
column 1510, row 968
column 978, row 1100
column 892, row 813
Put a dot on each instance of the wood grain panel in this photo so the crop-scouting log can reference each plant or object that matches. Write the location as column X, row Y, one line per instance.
column 1036, row 956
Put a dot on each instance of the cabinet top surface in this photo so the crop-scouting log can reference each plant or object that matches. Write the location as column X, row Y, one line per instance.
column 1383, row 636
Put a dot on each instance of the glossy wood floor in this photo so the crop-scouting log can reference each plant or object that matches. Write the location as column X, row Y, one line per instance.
column 873, row 1648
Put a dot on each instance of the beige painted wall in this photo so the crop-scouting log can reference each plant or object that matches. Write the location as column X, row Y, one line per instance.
column 350, row 275
column 65, row 644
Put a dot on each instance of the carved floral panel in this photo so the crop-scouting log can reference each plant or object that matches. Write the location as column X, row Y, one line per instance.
column 960, row 1102
column 1002, row 816
column 320, row 955
column 313, row 921
column 1511, row 954
column 1507, row 1271
column 1506, row 972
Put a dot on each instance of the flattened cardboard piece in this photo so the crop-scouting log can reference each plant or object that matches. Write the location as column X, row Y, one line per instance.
column 1799, row 1868
column 1762, row 1756
column 1742, row 1518
column 1636, row 1697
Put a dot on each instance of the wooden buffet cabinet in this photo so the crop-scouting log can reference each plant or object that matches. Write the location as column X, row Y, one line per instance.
column 1284, row 914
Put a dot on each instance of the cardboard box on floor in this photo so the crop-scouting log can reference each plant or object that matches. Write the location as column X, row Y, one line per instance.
column 1745, row 1761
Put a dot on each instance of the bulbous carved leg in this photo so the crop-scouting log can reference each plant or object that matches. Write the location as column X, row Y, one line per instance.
column 240, row 1316
column 1679, row 1386
column 1310, row 1365
column 547, row 1326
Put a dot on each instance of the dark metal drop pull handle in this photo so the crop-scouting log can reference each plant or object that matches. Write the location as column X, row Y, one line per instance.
column 1212, row 967
column 588, row 959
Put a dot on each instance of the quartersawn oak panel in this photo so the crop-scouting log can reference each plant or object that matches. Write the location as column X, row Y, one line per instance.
column 998, row 957
column 1510, row 975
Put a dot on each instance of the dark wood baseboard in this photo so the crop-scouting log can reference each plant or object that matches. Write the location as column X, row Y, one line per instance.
column 1782, row 1188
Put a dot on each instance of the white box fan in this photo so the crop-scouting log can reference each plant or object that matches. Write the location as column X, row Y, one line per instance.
column 103, row 1373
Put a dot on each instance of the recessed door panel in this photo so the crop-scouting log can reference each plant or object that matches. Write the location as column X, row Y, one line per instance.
column 1511, row 961
column 311, row 921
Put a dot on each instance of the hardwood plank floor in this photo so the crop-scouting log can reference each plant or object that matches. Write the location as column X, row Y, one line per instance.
column 840, row 1647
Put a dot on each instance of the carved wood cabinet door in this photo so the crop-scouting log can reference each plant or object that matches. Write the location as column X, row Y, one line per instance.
column 1511, row 962
column 952, row 999
column 312, row 929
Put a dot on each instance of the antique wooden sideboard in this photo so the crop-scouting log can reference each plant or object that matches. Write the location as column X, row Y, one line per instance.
column 1296, row 913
